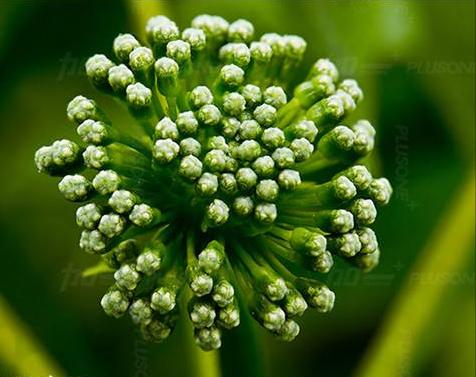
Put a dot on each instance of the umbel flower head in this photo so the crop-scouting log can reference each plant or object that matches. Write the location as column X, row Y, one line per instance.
column 235, row 193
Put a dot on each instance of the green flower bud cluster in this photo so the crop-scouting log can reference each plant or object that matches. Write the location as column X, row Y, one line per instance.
column 231, row 188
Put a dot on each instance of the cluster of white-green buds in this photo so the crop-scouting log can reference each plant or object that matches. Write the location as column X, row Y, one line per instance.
column 235, row 193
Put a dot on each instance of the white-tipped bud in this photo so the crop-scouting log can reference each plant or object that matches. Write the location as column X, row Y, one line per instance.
column 302, row 149
column 92, row 241
column 202, row 315
column 275, row 96
column 160, row 30
column 91, row 131
column 325, row 67
column 111, row 225
column 88, row 216
column 138, row 95
column 187, row 123
column 200, row 96
column 364, row 211
column 264, row 166
column 261, row 52
column 288, row 331
column 232, row 75
column 243, row 205
column 127, row 277
column 233, row 103
column 223, row 293
column 95, row 157
column 195, row 37
column 266, row 213
column 120, row 77
column 207, row 184
column 217, row 213
column 241, row 31
column 141, row 59
column 284, row 157
column 115, row 303
column 209, row 115
column 265, row 114
column 289, row 179
column 190, row 167
column 267, row 190
column 190, row 146
column 122, row 201
column 123, row 45
column 75, row 187
column 106, row 182
column 208, row 338
column 140, row 311
column 163, row 300
column 97, row 69
column 166, row 129
column 142, row 215
column 165, row 150
column 179, row 51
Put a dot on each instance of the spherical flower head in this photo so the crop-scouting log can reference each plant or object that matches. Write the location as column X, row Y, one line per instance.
column 97, row 69
column 127, row 277
column 165, row 150
column 227, row 178
column 141, row 59
column 91, row 131
column 148, row 263
column 81, row 108
column 123, row 45
column 115, row 303
column 141, row 215
column 140, row 311
column 208, row 338
column 196, row 38
column 92, row 241
column 163, row 300
column 95, row 157
column 229, row 316
column 223, row 293
column 138, row 95
column 241, row 31
column 111, row 225
column 75, row 187
column 106, row 182
column 88, row 216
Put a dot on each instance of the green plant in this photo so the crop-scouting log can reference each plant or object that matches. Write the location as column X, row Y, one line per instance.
column 225, row 186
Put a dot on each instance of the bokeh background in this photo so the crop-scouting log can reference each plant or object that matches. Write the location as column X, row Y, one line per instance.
column 412, row 316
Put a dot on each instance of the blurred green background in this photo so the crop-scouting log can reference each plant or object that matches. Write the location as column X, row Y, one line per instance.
column 412, row 316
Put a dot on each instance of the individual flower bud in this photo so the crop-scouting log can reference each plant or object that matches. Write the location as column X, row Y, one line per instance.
column 364, row 137
column 215, row 160
column 250, row 130
column 158, row 329
column 217, row 142
column 302, row 149
column 232, row 75
column 338, row 220
column 275, row 288
column 346, row 245
column 352, row 88
column 319, row 297
column 115, row 303
column 235, row 53
column 284, row 157
column 207, row 184
column 214, row 27
column 190, row 146
column 266, row 213
column 267, row 190
column 271, row 316
column 125, row 252
column 140, row 311
column 148, row 262
column 190, row 167
column 249, row 150
column 138, row 95
column 127, row 277
column 325, row 67
column 142, row 215
column 200, row 282
column 261, row 52
column 166, row 68
column 228, row 184
column 111, row 225
column 81, row 108
column 195, row 37
column 229, row 316
column 97, row 69
column 246, row 178
column 243, row 205
column 289, row 179
column 208, row 338
column 163, row 300
column 308, row 242
column 336, row 141
column 123, row 45
column 368, row 240
column 223, row 293
column 186, row 123
column 200, row 96
column 275, row 96
column 264, row 166
column 217, row 213
column 329, row 110
column 364, row 211
column 92, row 241
column 75, row 187
column 241, row 31
column 323, row 262
column 202, row 314
column 141, row 59
column 276, row 42
column 106, row 182
column 120, row 77
column 294, row 47
column 273, row 137
column 359, row 176
column 380, row 191
column 306, row 129
column 165, row 150
column 343, row 188
column 166, row 129
column 211, row 258
column 91, row 131
column 252, row 95
column 265, row 114
column 233, row 103
column 288, row 331
column 230, row 127
column 95, row 157
column 160, row 30
column 179, row 51
column 88, row 216
column 366, row 262
column 209, row 115
column 122, row 201
column 294, row 303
